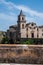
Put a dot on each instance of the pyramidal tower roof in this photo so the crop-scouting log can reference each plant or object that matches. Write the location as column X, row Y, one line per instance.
column 21, row 13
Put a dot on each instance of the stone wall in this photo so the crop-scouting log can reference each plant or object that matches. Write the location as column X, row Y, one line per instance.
column 29, row 54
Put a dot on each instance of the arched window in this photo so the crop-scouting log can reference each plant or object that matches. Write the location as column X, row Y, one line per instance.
column 32, row 35
column 22, row 18
column 32, row 24
column 27, row 29
column 27, row 35
column 22, row 26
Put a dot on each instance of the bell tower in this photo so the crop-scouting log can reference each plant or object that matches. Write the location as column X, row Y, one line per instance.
column 21, row 17
column 21, row 20
column 22, row 24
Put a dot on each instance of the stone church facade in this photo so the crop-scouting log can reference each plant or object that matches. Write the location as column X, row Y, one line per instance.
column 24, row 30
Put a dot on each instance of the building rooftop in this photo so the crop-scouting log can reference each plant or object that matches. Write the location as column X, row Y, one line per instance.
column 31, row 23
column 21, row 13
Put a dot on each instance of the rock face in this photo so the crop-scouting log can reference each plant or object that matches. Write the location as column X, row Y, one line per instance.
column 21, row 54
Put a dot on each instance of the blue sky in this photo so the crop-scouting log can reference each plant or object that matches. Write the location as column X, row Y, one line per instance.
column 10, row 9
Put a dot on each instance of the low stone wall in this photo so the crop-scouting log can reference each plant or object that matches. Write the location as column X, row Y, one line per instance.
column 29, row 54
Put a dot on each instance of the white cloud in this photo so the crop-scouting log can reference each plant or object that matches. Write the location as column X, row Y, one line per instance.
column 34, row 15
column 29, row 11
column 8, row 18
column 30, row 19
column 11, row 6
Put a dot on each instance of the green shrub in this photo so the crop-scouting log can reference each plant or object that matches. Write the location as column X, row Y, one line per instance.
column 5, row 40
column 27, row 42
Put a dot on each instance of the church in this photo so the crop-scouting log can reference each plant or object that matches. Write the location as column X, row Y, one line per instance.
column 23, row 30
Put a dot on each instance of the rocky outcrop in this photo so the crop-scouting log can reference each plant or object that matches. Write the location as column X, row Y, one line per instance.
column 21, row 54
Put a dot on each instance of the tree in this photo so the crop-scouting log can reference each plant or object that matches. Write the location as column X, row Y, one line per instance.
column 5, row 40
